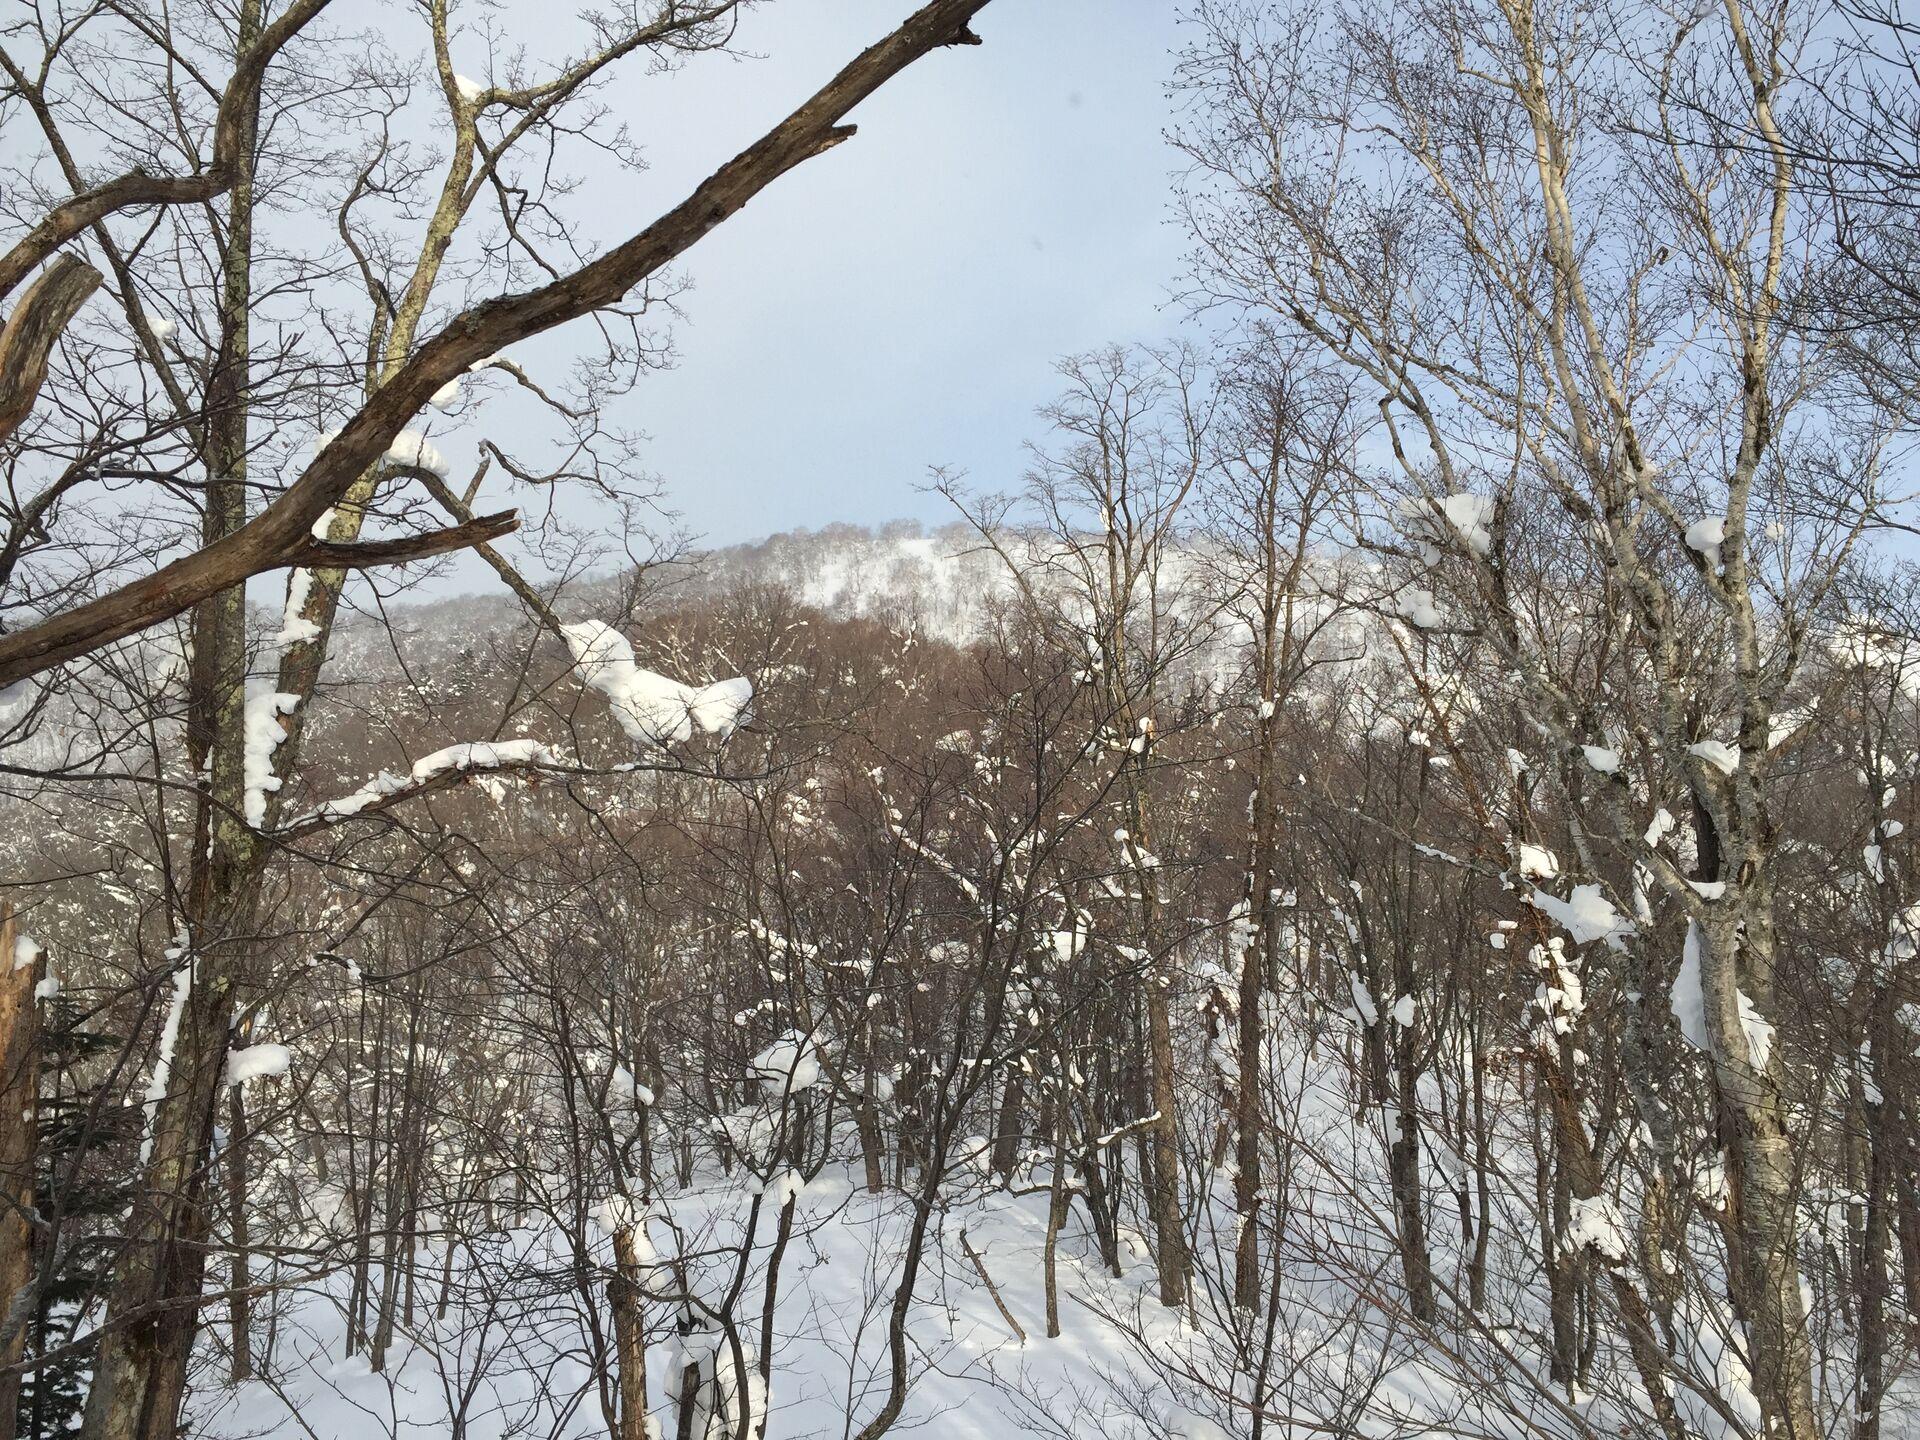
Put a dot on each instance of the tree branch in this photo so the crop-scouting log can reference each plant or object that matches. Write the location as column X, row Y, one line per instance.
column 31, row 331
column 366, row 554
column 137, row 187
column 472, row 336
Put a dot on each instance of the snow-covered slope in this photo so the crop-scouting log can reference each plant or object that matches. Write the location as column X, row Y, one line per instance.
column 513, row 1346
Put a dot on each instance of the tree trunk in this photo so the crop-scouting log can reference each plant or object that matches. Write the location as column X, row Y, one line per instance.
column 1164, row 1200
column 1404, row 1161
column 1765, row 1182
column 140, row 1369
column 873, row 1143
column 1056, row 1217
column 1247, row 1288
column 238, row 1305
column 19, row 1136
column 1870, row 1364
column 1010, row 1126
column 629, row 1335
column 1556, row 1218
column 783, row 1233
column 1390, row 1078
column 1581, row 1168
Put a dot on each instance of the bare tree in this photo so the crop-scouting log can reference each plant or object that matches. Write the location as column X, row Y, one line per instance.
column 1527, row 276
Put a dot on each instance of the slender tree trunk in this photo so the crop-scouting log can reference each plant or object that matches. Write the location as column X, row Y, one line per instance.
column 1581, row 1168
column 1010, row 1126
column 873, row 1143
column 1403, row 1166
column 1056, row 1217
column 1871, row 1274
column 689, row 1402
column 1390, row 1082
column 1482, row 1183
column 19, row 1143
column 1261, row 942
column 1404, row 1159
column 400, row 1166
column 238, row 1306
column 1168, row 1224
column 1556, row 1219
column 782, row 1234
column 629, row 1334
column 1736, row 960
column 897, row 1313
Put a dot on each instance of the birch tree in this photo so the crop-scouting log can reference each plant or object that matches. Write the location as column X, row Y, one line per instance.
column 1560, row 246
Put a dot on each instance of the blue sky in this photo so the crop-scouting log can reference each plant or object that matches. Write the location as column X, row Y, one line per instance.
column 899, row 302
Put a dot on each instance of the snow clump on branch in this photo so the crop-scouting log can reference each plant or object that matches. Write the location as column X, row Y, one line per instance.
column 653, row 709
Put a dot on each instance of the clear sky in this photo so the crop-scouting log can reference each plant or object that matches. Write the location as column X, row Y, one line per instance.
column 899, row 302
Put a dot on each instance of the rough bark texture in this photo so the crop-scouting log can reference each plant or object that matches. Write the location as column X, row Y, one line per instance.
column 1765, row 1181
column 19, row 1129
column 33, row 329
column 1247, row 1285
column 629, row 1335
column 239, row 1280
column 1170, row 1250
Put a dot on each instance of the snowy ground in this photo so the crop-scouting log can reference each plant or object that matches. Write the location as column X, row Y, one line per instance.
column 1334, row 1349
column 521, row 1370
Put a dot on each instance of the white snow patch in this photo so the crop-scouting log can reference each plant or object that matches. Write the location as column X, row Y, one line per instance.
column 1363, row 1000
column 651, row 708
column 1417, row 607
column 620, row 1214
column 1718, row 1357
column 1586, row 915
column 1717, row 753
column 1598, row 1223
column 1472, row 516
column 621, row 1083
column 790, row 1063
column 1690, row 1008
column 1538, row 863
column 1468, row 516
column 1662, row 826
column 295, row 628
column 163, row 1062
column 413, row 449
column 1707, row 535
column 1688, row 1005
column 264, row 733
column 257, row 1062
column 1601, row 758
column 1759, row 1032
column 467, row 755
